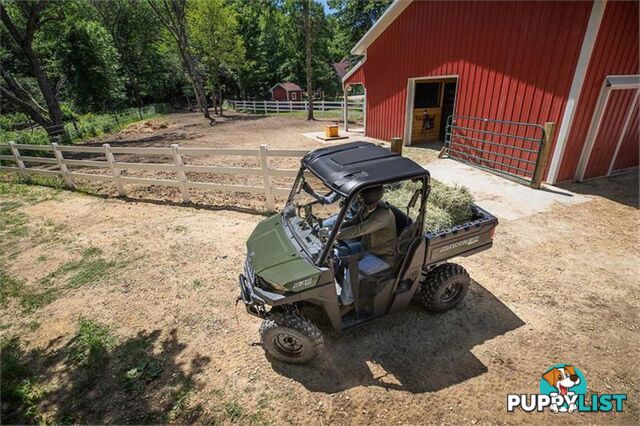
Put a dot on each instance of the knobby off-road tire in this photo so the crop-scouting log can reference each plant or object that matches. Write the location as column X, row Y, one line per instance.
column 443, row 288
column 291, row 338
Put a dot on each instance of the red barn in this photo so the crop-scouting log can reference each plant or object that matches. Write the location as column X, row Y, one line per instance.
column 574, row 63
column 286, row 92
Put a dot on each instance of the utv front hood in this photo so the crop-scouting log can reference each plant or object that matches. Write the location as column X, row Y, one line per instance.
column 274, row 257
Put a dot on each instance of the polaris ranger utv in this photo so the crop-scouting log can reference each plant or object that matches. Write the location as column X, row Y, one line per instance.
column 295, row 259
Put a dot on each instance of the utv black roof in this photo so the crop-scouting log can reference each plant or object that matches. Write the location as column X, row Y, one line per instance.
column 348, row 167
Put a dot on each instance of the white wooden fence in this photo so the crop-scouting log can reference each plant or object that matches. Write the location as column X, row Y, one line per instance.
column 265, row 107
column 59, row 167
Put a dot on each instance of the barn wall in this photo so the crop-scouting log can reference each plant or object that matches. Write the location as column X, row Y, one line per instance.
column 279, row 94
column 615, row 53
column 506, row 54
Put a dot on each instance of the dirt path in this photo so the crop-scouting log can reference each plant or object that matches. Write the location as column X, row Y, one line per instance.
column 557, row 287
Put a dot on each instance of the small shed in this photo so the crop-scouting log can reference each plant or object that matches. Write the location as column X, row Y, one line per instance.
column 286, row 92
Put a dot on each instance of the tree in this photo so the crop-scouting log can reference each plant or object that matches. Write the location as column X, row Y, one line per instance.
column 351, row 21
column 22, row 20
column 173, row 16
column 308, row 42
column 213, row 29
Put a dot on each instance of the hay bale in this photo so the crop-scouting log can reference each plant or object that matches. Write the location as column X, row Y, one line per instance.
column 437, row 219
column 446, row 206
column 455, row 200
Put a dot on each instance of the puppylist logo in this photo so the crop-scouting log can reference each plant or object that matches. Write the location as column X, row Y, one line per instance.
column 563, row 389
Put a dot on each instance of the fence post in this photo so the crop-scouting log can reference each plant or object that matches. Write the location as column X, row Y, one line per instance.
column 264, row 105
column 182, row 177
column 290, row 106
column 268, row 191
column 63, row 167
column 114, row 170
column 254, row 106
column 543, row 155
column 322, row 105
column 277, row 106
column 306, row 105
column 19, row 162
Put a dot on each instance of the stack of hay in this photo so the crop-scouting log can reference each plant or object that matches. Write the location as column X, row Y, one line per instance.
column 446, row 205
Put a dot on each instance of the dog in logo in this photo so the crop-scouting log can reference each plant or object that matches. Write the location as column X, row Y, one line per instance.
column 563, row 379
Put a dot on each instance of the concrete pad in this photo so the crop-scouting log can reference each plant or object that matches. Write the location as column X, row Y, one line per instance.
column 501, row 197
column 344, row 137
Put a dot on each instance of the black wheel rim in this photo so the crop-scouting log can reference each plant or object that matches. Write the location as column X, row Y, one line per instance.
column 450, row 292
column 288, row 345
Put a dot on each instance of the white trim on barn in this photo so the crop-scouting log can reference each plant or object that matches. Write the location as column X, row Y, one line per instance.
column 389, row 15
column 588, row 43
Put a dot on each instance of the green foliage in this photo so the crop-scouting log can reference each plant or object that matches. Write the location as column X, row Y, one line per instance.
column 91, row 343
column 92, row 67
column 352, row 20
column 20, row 391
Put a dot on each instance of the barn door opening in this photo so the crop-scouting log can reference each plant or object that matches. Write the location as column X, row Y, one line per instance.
column 431, row 102
column 611, row 144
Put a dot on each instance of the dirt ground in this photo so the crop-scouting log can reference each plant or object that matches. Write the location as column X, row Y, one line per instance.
column 557, row 287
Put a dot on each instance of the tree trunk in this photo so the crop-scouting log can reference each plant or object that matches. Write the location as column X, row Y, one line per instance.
column 308, row 43
column 25, row 42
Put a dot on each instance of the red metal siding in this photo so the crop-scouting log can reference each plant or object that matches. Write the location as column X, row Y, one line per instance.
column 609, row 133
column 356, row 77
column 629, row 150
column 514, row 60
column 615, row 53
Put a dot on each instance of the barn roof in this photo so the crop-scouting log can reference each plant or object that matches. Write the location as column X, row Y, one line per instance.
column 289, row 87
column 389, row 15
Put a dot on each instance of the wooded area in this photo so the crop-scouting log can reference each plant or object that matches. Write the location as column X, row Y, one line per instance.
column 64, row 58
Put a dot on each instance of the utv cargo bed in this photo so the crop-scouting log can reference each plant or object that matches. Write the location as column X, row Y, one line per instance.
column 461, row 240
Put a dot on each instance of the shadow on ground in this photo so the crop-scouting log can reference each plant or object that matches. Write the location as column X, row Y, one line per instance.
column 412, row 351
column 139, row 380
column 622, row 189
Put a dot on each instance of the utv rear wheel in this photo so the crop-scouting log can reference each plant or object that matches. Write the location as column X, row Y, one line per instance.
column 291, row 338
column 444, row 288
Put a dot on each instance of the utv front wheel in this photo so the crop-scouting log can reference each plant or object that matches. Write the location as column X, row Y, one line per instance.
column 291, row 338
column 444, row 288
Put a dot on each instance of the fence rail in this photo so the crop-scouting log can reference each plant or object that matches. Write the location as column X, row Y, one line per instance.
column 266, row 107
column 177, row 165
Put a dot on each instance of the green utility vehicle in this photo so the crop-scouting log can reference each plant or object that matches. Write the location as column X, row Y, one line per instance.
column 296, row 263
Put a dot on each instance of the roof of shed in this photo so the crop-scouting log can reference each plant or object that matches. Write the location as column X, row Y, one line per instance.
column 289, row 87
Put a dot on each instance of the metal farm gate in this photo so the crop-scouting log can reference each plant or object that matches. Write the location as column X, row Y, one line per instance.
column 508, row 148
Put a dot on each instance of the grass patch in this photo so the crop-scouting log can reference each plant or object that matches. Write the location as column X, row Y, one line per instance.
column 14, row 224
column 180, row 405
column 31, row 301
column 233, row 411
column 139, row 367
column 9, row 287
column 197, row 284
column 20, row 392
column 87, row 269
column 91, row 343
